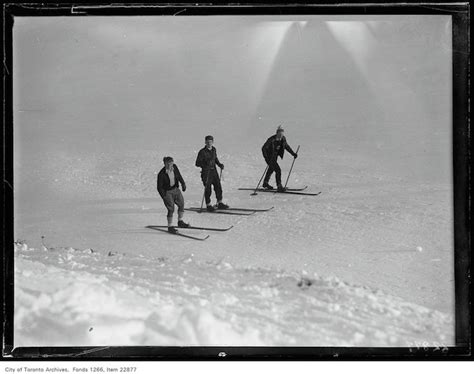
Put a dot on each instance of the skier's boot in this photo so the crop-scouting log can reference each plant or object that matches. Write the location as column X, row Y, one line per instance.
column 172, row 230
column 210, row 208
column 221, row 205
column 281, row 188
column 267, row 186
column 183, row 224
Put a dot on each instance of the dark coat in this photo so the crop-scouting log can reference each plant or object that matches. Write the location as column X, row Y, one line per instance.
column 274, row 148
column 163, row 181
column 207, row 159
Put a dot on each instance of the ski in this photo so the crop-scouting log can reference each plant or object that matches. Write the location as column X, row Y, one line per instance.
column 298, row 193
column 250, row 209
column 274, row 189
column 204, row 210
column 291, row 192
column 178, row 233
column 196, row 228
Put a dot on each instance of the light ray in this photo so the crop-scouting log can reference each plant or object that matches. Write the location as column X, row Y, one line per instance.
column 356, row 39
column 263, row 52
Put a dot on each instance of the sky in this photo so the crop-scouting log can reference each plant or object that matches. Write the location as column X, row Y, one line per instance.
column 374, row 86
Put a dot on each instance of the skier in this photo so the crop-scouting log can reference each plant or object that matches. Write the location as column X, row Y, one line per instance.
column 207, row 161
column 168, row 187
column 275, row 146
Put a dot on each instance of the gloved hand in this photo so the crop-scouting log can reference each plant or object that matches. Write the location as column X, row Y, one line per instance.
column 295, row 155
column 183, row 187
column 221, row 166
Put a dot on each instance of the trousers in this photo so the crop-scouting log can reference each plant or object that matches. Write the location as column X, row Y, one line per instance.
column 273, row 167
column 172, row 197
column 211, row 178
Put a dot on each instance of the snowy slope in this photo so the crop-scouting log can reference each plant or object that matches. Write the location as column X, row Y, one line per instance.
column 381, row 267
column 366, row 229
column 68, row 296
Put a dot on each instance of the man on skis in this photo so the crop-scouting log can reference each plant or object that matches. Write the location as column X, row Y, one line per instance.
column 207, row 161
column 168, row 182
column 275, row 146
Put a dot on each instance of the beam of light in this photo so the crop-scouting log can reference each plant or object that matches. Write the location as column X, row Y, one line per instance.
column 384, row 84
column 263, row 51
column 357, row 40
column 398, row 97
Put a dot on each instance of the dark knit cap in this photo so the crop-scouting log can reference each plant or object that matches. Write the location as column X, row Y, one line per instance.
column 209, row 137
column 167, row 159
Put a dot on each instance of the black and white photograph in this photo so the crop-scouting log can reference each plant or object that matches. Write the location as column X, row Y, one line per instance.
column 233, row 181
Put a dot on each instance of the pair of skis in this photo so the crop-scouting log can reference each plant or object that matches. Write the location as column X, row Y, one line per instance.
column 234, row 211
column 291, row 191
column 230, row 211
column 163, row 228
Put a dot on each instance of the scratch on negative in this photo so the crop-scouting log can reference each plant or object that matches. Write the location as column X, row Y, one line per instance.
column 74, row 11
column 181, row 11
column 5, row 66
column 91, row 351
column 8, row 183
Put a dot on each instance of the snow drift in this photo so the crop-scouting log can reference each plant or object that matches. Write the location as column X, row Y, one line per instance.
column 73, row 297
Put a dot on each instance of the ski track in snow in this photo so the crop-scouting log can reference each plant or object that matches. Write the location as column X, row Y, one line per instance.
column 69, row 296
column 247, row 286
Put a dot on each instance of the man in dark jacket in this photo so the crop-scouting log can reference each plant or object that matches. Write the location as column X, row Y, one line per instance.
column 275, row 146
column 207, row 161
column 167, row 185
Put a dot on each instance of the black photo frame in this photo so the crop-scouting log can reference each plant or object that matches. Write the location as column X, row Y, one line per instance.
column 461, row 142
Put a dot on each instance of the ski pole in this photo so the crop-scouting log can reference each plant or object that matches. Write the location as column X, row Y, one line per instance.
column 205, row 187
column 292, row 166
column 256, row 188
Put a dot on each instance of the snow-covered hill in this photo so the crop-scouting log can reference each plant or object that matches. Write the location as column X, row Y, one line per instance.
column 70, row 296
